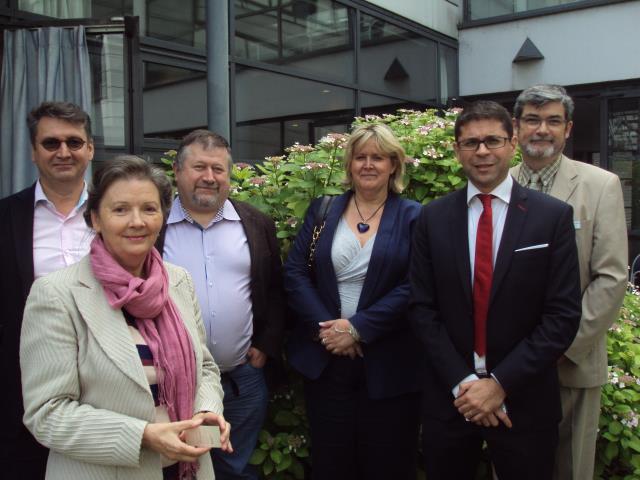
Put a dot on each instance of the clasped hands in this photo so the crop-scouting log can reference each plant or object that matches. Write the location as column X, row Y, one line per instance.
column 481, row 402
column 335, row 336
column 169, row 439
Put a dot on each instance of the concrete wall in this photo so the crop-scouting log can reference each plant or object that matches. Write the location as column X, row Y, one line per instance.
column 582, row 46
column 440, row 15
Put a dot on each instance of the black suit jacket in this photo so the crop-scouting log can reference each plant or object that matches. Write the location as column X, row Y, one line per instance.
column 16, row 277
column 267, row 295
column 534, row 308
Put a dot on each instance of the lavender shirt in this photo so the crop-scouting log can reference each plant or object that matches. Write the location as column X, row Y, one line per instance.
column 218, row 259
column 58, row 241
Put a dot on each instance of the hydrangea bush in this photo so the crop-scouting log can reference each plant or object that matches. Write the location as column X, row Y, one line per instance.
column 283, row 187
column 618, row 452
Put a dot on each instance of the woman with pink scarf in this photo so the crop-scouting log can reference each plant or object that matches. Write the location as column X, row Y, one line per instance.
column 116, row 376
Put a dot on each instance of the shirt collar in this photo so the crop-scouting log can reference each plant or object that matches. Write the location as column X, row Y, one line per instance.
column 180, row 214
column 40, row 196
column 547, row 174
column 502, row 191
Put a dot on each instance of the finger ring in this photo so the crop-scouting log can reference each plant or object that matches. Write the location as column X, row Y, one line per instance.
column 323, row 341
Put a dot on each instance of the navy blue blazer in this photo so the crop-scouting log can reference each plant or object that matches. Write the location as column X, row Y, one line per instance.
column 391, row 351
column 16, row 277
column 534, row 309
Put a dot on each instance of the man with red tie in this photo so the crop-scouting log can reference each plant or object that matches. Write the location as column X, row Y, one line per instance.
column 495, row 299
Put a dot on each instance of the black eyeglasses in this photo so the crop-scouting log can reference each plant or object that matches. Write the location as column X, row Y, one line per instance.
column 52, row 144
column 492, row 143
column 551, row 122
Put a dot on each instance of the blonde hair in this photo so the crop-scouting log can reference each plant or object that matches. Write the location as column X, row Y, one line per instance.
column 386, row 142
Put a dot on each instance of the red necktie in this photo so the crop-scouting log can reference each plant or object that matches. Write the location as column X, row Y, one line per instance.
column 482, row 274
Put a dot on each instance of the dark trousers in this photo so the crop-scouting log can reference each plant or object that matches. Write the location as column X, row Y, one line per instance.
column 452, row 450
column 355, row 437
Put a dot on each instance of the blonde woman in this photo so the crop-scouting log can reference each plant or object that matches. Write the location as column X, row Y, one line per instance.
column 352, row 341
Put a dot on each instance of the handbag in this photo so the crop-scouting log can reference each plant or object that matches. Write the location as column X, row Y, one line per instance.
column 318, row 226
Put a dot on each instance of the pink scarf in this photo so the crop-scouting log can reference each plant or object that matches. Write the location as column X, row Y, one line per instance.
column 159, row 323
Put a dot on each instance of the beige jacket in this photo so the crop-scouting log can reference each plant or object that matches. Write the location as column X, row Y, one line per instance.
column 601, row 234
column 86, row 396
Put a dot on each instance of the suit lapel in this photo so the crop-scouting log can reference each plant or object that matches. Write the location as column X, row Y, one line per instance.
column 107, row 325
column 324, row 270
column 566, row 180
column 378, row 252
column 249, row 225
column 516, row 215
column 459, row 235
column 22, row 227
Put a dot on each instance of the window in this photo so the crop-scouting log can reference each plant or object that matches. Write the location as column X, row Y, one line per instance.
column 274, row 111
column 480, row 9
column 310, row 36
column 174, row 101
column 106, row 56
column 180, row 22
column 396, row 61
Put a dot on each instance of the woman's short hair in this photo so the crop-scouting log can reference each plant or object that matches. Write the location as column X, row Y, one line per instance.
column 127, row 167
column 386, row 142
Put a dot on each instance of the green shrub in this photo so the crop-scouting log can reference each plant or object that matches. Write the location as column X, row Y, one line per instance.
column 618, row 451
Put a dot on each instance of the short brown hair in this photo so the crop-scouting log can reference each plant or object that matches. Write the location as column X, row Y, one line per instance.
column 207, row 140
column 126, row 167
column 484, row 110
column 67, row 111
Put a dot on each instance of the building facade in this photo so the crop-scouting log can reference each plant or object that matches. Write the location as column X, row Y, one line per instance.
column 592, row 47
column 294, row 69
column 275, row 72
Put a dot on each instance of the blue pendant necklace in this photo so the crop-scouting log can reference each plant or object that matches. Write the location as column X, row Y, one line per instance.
column 363, row 226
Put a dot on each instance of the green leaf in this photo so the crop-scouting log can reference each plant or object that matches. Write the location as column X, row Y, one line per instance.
column 264, row 436
column 615, row 427
column 284, row 464
column 276, row 456
column 634, row 443
column 611, row 451
column 267, row 467
column 257, row 457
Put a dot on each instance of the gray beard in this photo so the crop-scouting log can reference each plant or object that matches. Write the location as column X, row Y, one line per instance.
column 205, row 202
column 534, row 152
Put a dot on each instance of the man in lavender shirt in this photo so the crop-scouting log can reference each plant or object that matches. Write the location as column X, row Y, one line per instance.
column 231, row 251
column 42, row 231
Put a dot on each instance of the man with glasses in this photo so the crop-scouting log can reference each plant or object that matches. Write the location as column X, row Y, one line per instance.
column 495, row 298
column 43, row 230
column 543, row 120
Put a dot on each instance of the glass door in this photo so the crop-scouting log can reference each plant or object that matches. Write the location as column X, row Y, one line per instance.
column 623, row 154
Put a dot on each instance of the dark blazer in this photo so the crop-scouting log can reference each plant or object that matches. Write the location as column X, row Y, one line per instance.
column 391, row 352
column 534, row 308
column 16, row 277
column 267, row 296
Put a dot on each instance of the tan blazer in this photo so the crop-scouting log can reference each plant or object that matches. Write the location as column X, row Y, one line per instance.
column 86, row 396
column 601, row 234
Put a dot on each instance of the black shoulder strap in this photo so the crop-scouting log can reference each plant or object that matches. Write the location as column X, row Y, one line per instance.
column 323, row 211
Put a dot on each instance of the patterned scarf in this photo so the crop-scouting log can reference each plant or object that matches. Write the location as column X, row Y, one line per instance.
column 159, row 323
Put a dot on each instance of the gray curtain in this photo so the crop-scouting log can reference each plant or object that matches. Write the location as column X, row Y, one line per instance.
column 38, row 65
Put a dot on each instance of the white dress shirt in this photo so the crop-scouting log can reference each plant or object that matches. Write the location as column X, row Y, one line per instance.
column 499, row 207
